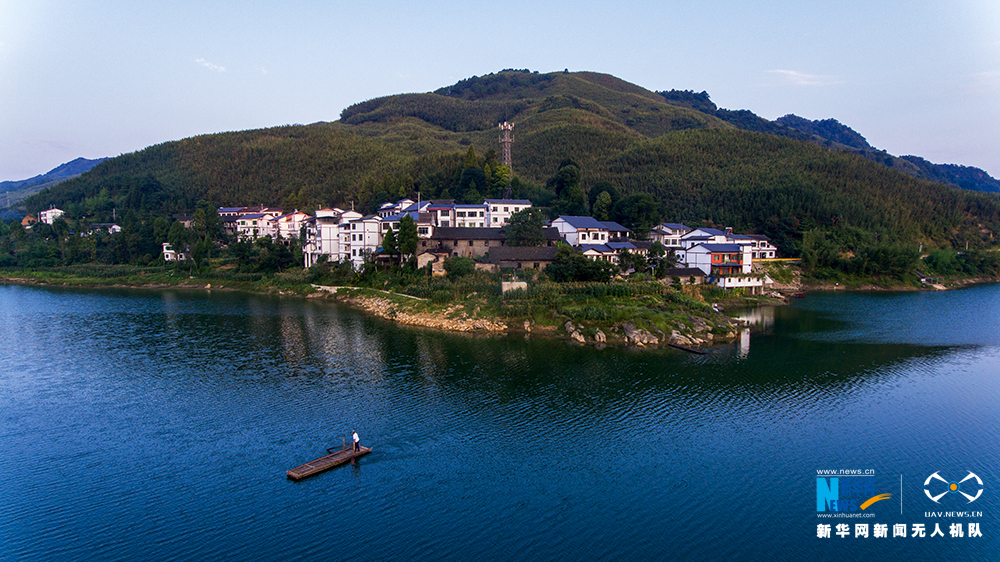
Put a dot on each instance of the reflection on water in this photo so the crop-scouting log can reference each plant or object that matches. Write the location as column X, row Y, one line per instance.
column 165, row 422
column 760, row 317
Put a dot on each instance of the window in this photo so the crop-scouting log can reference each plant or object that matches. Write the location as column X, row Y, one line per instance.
column 494, row 219
column 470, row 243
column 506, row 209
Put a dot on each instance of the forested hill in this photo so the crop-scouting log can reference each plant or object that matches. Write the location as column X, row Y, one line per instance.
column 576, row 135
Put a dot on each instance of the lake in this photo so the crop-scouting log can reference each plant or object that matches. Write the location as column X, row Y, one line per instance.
column 158, row 425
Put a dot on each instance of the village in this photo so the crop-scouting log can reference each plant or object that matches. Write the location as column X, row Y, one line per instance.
column 446, row 229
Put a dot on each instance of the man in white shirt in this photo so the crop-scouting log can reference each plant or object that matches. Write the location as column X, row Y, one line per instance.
column 357, row 442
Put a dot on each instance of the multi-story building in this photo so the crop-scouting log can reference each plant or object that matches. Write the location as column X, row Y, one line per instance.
column 471, row 216
column 669, row 234
column 588, row 230
column 49, row 215
column 323, row 237
column 288, row 226
column 498, row 211
column 361, row 238
column 253, row 226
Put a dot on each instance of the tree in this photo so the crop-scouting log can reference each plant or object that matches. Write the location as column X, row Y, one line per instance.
column 661, row 259
column 525, row 228
column 470, row 158
column 501, row 176
column 178, row 237
column 566, row 184
column 631, row 260
column 639, row 212
column 569, row 264
column 603, row 187
column 459, row 266
column 389, row 244
column 601, row 209
column 407, row 238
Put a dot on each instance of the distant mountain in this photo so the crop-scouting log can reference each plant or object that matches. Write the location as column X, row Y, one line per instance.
column 16, row 190
column 833, row 134
column 829, row 129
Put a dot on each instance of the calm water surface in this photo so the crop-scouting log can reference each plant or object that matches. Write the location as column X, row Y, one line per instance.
column 158, row 426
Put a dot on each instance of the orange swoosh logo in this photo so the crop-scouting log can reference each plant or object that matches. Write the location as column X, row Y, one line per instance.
column 877, row 498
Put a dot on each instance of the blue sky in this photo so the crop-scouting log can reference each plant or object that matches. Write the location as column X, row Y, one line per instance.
column 99, row 78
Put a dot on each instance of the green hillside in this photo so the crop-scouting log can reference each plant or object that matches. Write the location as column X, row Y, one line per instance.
column 697, row 168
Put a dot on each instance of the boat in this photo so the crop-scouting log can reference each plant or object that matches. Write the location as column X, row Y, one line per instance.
column 332, row 459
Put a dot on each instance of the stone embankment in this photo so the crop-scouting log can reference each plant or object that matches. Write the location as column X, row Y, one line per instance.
column 453, row 318
column 696, row 331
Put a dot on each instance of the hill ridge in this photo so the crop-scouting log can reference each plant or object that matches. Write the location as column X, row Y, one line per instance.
column 690, row 165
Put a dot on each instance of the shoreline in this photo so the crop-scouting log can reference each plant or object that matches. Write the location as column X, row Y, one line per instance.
column 698, row 331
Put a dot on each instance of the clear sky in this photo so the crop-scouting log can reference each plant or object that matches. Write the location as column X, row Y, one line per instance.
column 99, row 78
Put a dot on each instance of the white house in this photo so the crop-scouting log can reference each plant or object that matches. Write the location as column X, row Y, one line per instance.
column 361, row 238
column 254, row 225
column 719, row 259
column 471, row 216
column 669, row 234
column 288, row 226
column 705, row 236
column 761, row 247
column 424, row 222
column 498, row 211
column 727, row 265
column 581, row 230
column 110, row 228
column 600, row 252
column 442, row 213
column 170, row 254
column 389, row 209
column 323, row 235
column 50, row 215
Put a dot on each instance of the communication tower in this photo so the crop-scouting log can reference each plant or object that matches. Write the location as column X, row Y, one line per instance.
column 506, row 139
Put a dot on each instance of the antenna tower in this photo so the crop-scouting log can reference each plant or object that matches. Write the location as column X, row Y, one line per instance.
column 506, row 139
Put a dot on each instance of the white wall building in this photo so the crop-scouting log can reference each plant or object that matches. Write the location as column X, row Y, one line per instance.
column 50, row 215
column 498, row 211
column 470, row 216
column 323, row 236
column 288, row 226
column 360, row 238
column 669, row 234
column 581, row 230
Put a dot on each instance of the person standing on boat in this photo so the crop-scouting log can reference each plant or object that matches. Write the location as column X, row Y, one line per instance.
column 357, row 442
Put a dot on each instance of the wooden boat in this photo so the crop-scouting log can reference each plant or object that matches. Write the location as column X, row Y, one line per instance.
column 324, row 463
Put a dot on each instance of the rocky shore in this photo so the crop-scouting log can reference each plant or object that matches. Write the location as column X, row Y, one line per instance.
column 695, row 332
column 453, row 318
